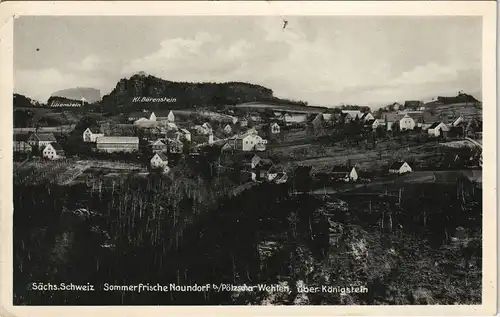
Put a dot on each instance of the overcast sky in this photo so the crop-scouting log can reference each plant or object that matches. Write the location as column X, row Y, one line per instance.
column 322, row 60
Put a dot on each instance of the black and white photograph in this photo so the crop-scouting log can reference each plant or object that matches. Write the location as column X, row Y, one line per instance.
column 279, row 160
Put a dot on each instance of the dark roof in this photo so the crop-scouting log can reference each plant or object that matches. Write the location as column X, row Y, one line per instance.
column 273, row 169
column 435, row 124
column 303, row 169
column 162, row 156
column 396, row 165
column 370, row 122
column 341, row 169
column 57, row 146
column 45, row 137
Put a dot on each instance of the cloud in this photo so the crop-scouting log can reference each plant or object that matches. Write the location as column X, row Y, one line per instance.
column 89, row 64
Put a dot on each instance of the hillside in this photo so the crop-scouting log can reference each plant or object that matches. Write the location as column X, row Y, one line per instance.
column 23, row 101
column 90, row 94
column 181, row 95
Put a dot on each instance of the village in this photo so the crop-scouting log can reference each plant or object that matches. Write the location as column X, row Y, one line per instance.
column 255, row 136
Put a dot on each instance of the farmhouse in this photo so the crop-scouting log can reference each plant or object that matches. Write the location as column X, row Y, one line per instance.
column 406, row 123
column 367, row 117
column 250, row 160
column 437, row 129
column 275, row 128
column 91, row 134
column 266, row 170
column 158, row 146
column 457, row 121
column 374, row 124
column 159, row 160
column 41, row 139
column 350, row 115
column 281, row 178
column 171, row 117
column 344, row 173
column 53, row 151
column 400, row 168
column 228, row 129
column 112, row 144
column 203, row 129
column 250, row 142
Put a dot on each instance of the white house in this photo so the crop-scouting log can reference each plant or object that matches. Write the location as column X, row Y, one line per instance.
column 376, row 123
column 204, row 129
column 159, row 160
column 171, row 117
column 250, row 142
column 457, row 121
column 41, row 139
column 228, row 129
column 406, row 123
column 152, row 117
column 158, row 146
column 436, row 128
column 275, row 128
column 91, row 134
column 186, row 134
column 53, row 151
column 351, row 114
column 281, row 178
column 344, row 173
column 367, row 116
column 400, row 168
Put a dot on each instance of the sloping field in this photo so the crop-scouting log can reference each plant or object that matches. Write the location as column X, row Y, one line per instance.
column 468, row 111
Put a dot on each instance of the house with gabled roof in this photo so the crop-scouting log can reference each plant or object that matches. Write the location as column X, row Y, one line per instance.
column 159, row 160
column 400, row 167
column 437, row 129
column 367, row 116
column 266, row 170
column 281, row 178
column 158, row 146
column 344, row 173
column 53, row 151
column 41, row 139
column 275, row 128
column 350, row 115
column 91, row 134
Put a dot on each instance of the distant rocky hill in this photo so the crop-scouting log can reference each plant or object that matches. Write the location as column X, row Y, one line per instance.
column 460, row 98
column 90, row 94
column 155, row 93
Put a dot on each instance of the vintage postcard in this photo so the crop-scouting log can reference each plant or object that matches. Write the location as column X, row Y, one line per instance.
column 216, row 157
